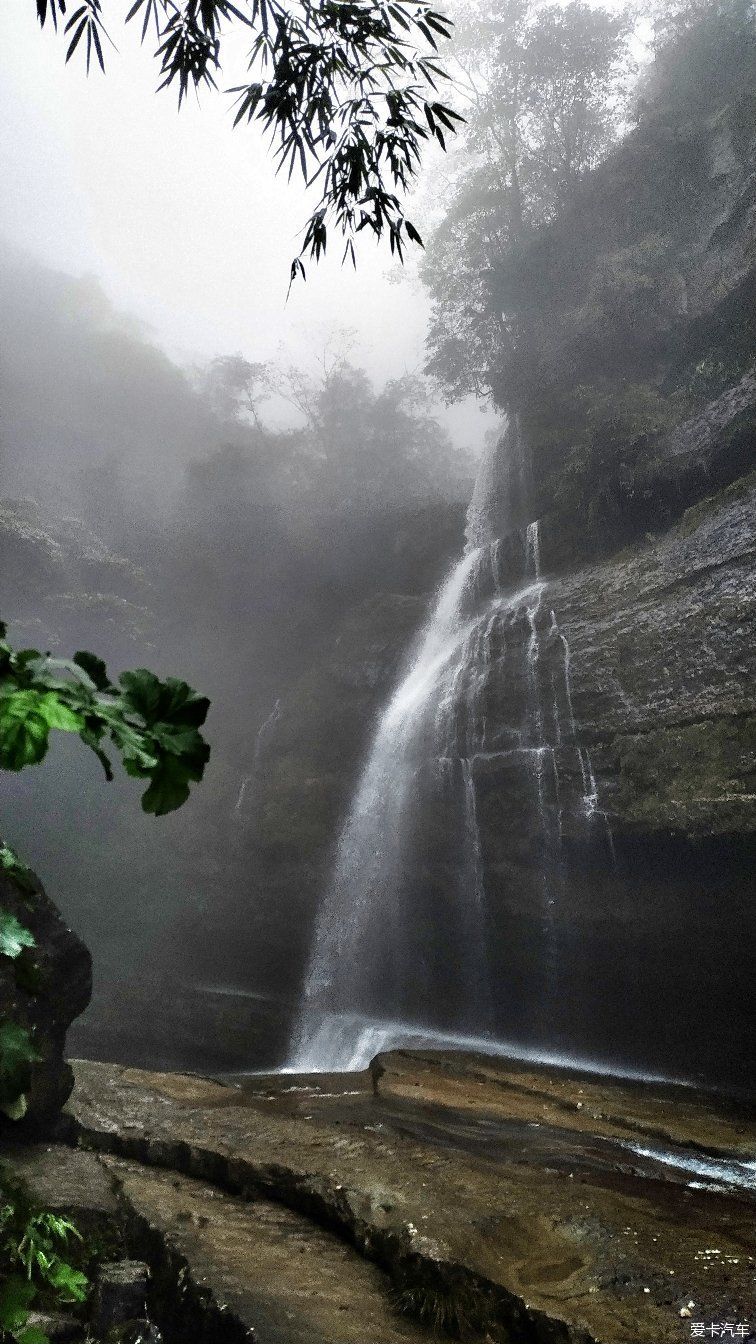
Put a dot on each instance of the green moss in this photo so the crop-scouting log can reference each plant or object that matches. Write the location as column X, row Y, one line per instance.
column 706, row 508
column 595, row 443
column 686, row 778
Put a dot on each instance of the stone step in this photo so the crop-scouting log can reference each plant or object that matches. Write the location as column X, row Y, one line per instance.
column 223, row 1269
column 274, row 1273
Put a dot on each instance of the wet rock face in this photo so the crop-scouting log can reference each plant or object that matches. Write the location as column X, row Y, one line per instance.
column 660, row 673
column 43, row 990
column 448, row 1193
column 614, row 767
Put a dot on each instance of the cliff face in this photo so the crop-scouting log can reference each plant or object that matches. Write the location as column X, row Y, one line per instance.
column 618, row 864
column 614, row 770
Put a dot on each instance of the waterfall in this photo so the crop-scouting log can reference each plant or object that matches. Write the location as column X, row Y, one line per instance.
column 396, row 957
column 364, row 939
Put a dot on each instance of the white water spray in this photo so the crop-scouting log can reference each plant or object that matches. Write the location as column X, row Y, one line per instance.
column 395, row 957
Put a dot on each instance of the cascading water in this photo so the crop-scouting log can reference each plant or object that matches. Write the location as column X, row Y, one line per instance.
column 395, row 957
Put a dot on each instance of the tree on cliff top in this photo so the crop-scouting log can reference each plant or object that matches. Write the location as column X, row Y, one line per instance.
column 545, row 87
column 346, row 90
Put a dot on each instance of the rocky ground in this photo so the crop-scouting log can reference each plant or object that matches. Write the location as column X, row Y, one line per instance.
column 439, row 1194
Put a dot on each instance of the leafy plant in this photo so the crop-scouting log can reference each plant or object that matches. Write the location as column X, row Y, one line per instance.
column 345, row 88
column 153, row 724
column 16, row 1297
column 34, row 1263
column 15, row 867
column 13, row 936
column 37, row 1251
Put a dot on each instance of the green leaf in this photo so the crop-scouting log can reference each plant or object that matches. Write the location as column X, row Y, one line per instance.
column 16, row 1296
column 57, row 713
column 153, row 723
column 24, row 730
column 32, row 1335
column 180, row 704
column 19, row 871
column 13, row 936
column 91, row 738
column 70, row 1283
column 142, row 693
column 94, row 668
column 169, row 787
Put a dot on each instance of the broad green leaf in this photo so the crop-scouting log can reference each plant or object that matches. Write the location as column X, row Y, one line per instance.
column 184, row 742
column 154, row 724
column 180, row 704
column 58, row 714
column 70, row 1283
column 94, row 668
column 23, row 730
column 169, row 787
column 142, row 693
column 13, row 936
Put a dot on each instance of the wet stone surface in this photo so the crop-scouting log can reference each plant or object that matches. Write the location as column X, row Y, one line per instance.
column 499, row 1200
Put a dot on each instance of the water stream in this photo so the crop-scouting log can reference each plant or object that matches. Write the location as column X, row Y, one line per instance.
column 394, row 952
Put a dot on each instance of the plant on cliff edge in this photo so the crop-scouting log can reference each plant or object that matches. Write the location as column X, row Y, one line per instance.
column 153, row 724
column 545, row 87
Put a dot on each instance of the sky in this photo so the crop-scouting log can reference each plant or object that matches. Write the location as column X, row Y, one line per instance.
column 179, row 215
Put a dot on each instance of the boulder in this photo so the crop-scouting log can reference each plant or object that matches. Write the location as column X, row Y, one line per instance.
column 41, row 991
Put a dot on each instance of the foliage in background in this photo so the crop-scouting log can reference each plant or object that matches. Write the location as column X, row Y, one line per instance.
column 546, row 86
column 345, row 91
column 514, row 271
column 573, row 297
column 601, row 439
column 154, row 725
column 704, row 51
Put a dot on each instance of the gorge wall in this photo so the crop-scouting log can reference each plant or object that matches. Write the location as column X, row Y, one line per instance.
column 617, row 847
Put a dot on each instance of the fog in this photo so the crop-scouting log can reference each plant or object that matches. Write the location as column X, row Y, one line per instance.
column 261, row 490
column 181, row 218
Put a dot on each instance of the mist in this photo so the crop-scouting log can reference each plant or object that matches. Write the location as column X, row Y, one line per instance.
column 377, row 668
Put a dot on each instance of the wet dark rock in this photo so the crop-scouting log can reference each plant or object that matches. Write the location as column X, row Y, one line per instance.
column 134, row 1332
column 120, row 1294
column 497, row 1198
column 59, row 1328
column 43, row 990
